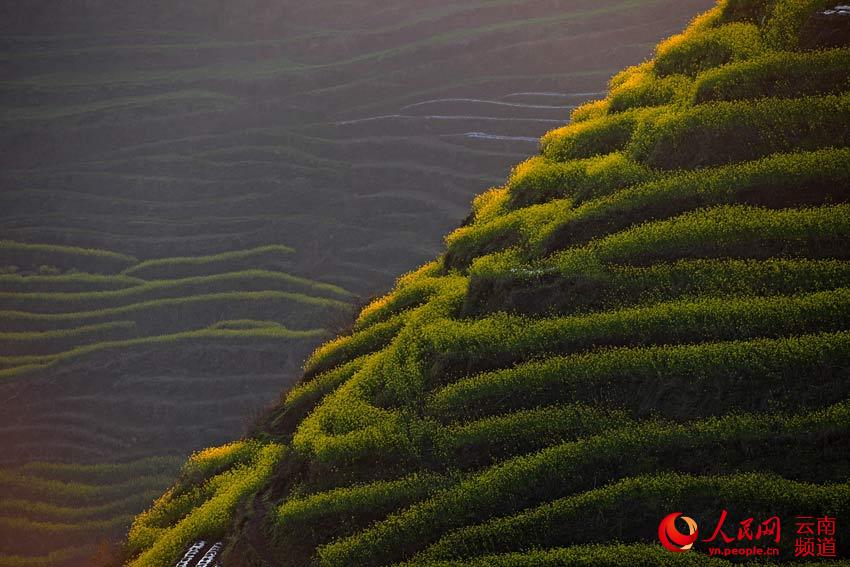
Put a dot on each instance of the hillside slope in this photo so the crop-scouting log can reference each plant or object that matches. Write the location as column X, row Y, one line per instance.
column 651, row 315
column 194, row 194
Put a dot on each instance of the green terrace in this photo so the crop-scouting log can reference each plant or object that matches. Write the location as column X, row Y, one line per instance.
column 60, row 313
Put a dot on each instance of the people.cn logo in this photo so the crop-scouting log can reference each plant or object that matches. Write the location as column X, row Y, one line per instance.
column 672, row 538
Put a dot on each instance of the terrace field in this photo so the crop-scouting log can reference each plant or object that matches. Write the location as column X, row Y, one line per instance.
column 650, row 315
column 194, row 196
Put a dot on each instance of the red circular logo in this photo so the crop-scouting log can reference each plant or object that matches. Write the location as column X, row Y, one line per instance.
column 672, row 538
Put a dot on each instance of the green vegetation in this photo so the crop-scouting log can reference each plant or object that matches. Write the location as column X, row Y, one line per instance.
column 174, row 312
column 35, row 487
column 66, row 283
column 47, row 342
column 646, row 89
column 539, row 180
column 662, row 380
column 496, row 437
column 321, row 517
column 208, row 517
column 205, row 265
column 691, row 53
column 783, row 74
column 558, row 224
column 523, row 481
column 651, row 315
column 594, row 137
column 731, row 231
column 65, row 316
column 65, row 257
column 564, row 285
column 501, row 339
column 740, row 131
column 302, row 398
column 775, row 181
column 785, row 26
column 18, row 365
column 345, row 348
column 411, row 290
column 636, row 502
column 249, row 280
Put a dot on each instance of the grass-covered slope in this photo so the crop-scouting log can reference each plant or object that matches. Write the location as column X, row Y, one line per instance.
column 651, row 315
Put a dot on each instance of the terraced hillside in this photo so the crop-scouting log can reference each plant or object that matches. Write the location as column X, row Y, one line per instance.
column 192, row 194
column 153, row 334
column 650, row 315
